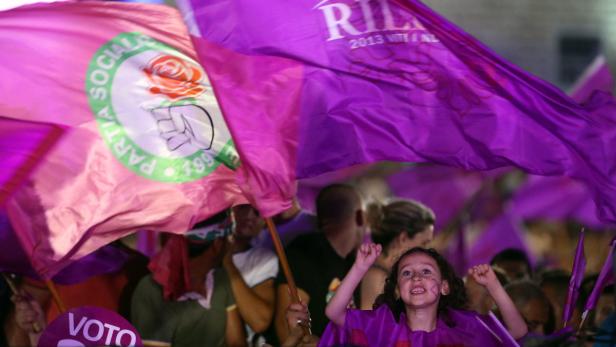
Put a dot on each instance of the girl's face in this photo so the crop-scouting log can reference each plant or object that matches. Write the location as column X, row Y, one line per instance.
column 420, row 284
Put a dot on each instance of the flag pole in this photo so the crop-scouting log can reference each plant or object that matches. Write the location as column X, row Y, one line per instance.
column 54, row 294
column 35, row 326
column 282, row 256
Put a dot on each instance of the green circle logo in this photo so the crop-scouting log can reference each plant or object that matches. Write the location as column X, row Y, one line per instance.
column 156, row 110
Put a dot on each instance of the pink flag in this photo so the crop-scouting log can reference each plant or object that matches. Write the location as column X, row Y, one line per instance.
column 146, row 142
column 22, row 147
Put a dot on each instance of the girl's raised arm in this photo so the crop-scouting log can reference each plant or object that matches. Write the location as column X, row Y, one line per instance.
column 484, row 275
column 336, row 308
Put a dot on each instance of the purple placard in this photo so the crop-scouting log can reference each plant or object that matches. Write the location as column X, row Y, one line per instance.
column 89, row 326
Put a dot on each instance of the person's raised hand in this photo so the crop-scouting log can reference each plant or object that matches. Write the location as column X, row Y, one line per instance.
column 366, row 255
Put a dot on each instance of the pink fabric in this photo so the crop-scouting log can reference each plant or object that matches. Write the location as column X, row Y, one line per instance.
column 82, row 197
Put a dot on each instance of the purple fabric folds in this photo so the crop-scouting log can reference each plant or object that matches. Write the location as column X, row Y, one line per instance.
column 444, row 189
column 104, row 260
column 379, row 328
column 313, row 86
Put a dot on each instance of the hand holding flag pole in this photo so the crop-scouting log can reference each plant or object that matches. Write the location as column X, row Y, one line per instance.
column 285, row 265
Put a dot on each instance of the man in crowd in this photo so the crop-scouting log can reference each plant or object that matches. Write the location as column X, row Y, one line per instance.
column 187, row 300
column 320, row 260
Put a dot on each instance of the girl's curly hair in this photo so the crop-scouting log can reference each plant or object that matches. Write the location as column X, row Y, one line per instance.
column 456, row 298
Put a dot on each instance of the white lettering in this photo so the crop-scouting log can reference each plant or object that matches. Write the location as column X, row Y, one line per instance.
column 112, row 55
column 98, row 93
column 121, row 147
column 99, row 77
column 389, row 17
column 131, row 45
column 368, row 16
column 104, row 64
column 148, row 168
column 135, row 159
column 117, row 50
column 145, row 40
column 334, row 24
column 133, row 338
column 71, row 324
column 86, row 330
column 110, row 330
column 111, row 134
column 104, row 113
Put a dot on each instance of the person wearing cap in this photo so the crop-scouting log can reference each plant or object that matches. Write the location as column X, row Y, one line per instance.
column 187, row 299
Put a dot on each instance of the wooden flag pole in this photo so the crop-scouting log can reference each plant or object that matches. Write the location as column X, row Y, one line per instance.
column 54, row 294
column 282, row 256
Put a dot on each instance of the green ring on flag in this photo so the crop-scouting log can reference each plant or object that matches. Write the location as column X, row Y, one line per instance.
column 126, row 150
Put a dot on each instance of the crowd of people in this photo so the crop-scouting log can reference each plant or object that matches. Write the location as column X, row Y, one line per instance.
column 362, row 280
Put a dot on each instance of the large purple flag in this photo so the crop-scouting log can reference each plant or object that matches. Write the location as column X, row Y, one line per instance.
column 23, row 145
column 559, row 198
column 308, row 87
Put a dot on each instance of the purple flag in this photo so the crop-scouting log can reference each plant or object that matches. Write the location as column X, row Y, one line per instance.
column 555, row 198
column 559, row 198
column 13, row 259
column 577, row 275
column 606, row 276
column 308, row 87
column 504, row 232
column 23, row 144
column 597, row 77
column 444, row 189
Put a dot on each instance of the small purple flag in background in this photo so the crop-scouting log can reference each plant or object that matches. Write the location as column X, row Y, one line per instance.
column 606, row 276
column 444, row 189
column 555, row 198
column 577, row 275
column 312, row 86
column 597, row 77
column 504, row 232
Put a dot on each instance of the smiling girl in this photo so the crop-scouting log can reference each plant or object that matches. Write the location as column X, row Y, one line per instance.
column 422, row 305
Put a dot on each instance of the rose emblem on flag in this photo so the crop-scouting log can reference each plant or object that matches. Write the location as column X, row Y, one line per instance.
column 174, row 77
column 156, row 110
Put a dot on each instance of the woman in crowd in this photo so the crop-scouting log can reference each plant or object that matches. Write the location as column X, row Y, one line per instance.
column 396, row 227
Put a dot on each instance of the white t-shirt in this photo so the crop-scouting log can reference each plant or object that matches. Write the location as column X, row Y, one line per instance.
column 256, row 265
